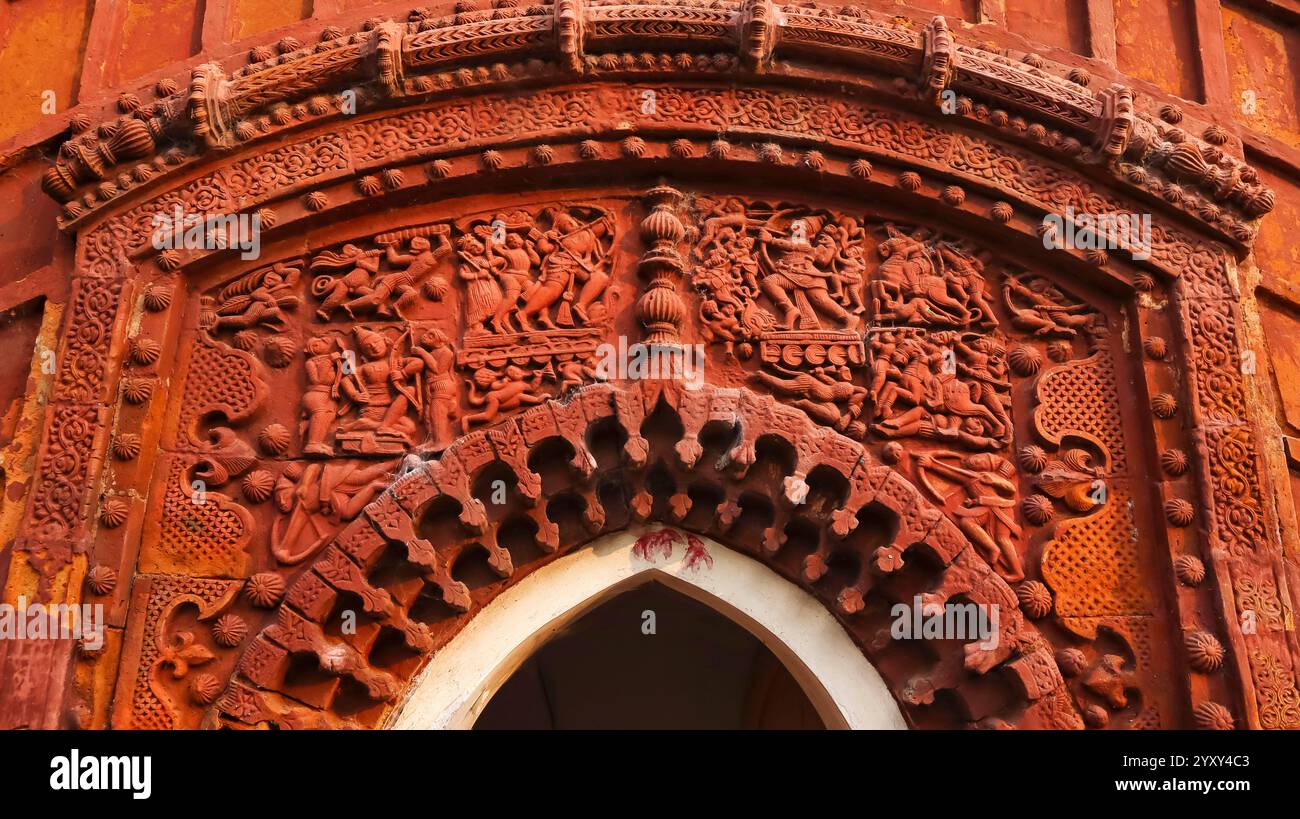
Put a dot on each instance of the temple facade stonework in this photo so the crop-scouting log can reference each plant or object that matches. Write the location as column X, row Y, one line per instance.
column 333, row 334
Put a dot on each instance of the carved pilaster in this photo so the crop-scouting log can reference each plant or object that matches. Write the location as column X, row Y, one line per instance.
column 661, row 310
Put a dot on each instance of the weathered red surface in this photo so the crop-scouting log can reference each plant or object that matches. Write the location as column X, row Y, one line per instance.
column 902, row 390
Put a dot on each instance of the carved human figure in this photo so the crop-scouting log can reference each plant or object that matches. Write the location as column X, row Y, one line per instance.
column 907, row 376
column 982, row 360
column 803, row 270
column 967, row 273
column 394, row 289
column 572, row 255
column 1039, row 307
column 554, row 283
column 909, row 288
column 720, row 322
column 575, row 373
column 379, row 387
column 316, row 499
column 927, row 377
column 580, row 241
column 851, row 267
column 829, row 397
column 986, row 515
column 729, row 220
column 268, row 294
column 953, row 398
column 520, row 258
column 501, row 392
column 728, row 284
column 968, row 432
column 336, row 291
column 883, row 362
column 478, row 269
column 320, row 399
column 441, row 385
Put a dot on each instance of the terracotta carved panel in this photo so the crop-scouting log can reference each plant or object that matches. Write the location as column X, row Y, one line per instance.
column 906, row 371
column 538, row 289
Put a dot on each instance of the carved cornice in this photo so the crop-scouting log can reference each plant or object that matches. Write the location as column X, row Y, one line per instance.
column 395, row 61
column 845, row 141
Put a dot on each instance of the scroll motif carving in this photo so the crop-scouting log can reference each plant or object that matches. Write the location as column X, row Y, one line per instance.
column 171, row 660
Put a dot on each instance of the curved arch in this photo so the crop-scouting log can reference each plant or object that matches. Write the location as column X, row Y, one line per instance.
column 984, row 166
column 783, row 532
column 463, row 675
column 389, row 62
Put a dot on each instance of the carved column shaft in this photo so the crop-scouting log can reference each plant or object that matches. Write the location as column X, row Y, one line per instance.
column 661, row 310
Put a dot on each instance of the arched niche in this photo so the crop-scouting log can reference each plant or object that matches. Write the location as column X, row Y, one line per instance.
column 462, row 677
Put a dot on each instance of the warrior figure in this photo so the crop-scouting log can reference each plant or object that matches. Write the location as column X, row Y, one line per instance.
column 478, row 269
column 802, row 271
column 442, row 407
column 320, row 400
column 379, row 387
column 263, row 303
column 392, row 290
column 520, row 258
column 986, row 515
column 336, row 291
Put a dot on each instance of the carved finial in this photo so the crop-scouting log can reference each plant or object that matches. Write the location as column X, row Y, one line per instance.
column 570, row 33
column 940, row 59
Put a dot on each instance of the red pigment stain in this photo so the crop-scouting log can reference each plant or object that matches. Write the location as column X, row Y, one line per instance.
column 697, row 554
column 651, row 543
column 650, row 546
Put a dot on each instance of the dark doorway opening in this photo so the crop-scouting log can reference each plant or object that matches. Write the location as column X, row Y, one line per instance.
column 697, row 670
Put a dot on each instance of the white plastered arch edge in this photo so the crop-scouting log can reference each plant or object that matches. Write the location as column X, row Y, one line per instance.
column 462, row 677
